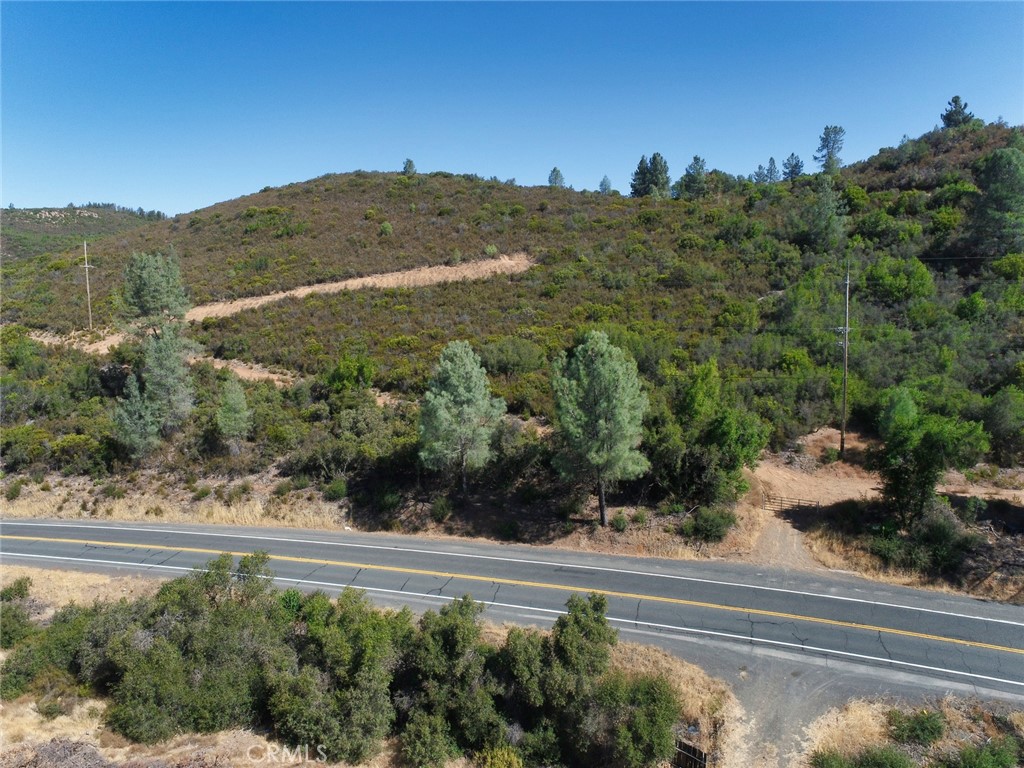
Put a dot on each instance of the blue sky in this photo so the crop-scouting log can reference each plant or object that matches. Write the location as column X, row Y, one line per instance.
column 176, row 106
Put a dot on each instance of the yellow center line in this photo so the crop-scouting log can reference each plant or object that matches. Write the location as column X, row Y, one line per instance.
column 538, row 585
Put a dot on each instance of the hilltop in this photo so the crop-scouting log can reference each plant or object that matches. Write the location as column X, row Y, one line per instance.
column 28, row 232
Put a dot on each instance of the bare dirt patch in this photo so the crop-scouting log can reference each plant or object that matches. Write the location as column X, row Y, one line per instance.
column 411, row 278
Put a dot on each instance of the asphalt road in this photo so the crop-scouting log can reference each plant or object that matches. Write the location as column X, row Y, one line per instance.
column 770, row 632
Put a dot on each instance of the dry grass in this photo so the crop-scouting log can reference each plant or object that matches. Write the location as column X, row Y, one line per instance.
column 55, row 588
column 78, row 498
column 1016, row 719
column 864, row 723
column 850, row 729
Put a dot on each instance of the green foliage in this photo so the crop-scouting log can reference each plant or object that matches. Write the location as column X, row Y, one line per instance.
column 650, row 179
column 336, row 490
column 137, row 421
column 998, row 221
column 701, row 437
column 1004, row 421
column 499, row 757
column 830, row 145
column 459, row 415
column 426, row 741
column 895, row 281
column 16, row 590
column 441, row 509
column 642, row 713
column 792, row 167
column 15, row 624
column 998, row 753
column 619, row 522
column 918, row 448
column 708, row 524
column 1010, row 266
column 830, row 759
column 555, row 178
column 924, row 727
column 956, row 114
column 233, row 418
column 153, row 292
column 408, row 168
column 600, row 406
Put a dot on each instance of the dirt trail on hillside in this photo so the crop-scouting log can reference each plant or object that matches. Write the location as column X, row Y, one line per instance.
column 410, row 278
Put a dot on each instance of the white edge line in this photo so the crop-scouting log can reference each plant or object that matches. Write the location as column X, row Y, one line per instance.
column 682, row 630
column 522, row 561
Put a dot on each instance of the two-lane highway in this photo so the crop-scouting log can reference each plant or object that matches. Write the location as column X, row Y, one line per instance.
column 940, row 638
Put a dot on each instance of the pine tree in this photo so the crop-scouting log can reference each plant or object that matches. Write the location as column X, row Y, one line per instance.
column 640, row 186
column 829, row 147
column 555, row 178
column 660, row 181
column 233, row 417
column 138, row 425
column 997, row 223
column 695, row 179
column 166, row 378
column 761, row 175
column 600, row 407
column 773, row 171
column 409, row 168
column 153, row 292
column 459, row 415
column 956, row 114
column 605, row 187
column 793, row 167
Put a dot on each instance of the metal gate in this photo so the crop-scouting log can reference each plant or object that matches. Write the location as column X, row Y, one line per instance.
column 688, row 756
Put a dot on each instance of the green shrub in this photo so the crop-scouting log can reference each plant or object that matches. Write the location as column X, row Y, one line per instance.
column 830, row 759
column 15, row 625
column 972, row 509
column 427, row 741
column 643, row 712
column 499, row 757
column 58, row 647
column 202, row 492
column 16, row 590
column 336, row 490
column 924, row 727
column 708, row 524
column 441, row 509
column 386, row 230
column 13, row 490
column 998, row 753
column 882, row 757
column 619, row 522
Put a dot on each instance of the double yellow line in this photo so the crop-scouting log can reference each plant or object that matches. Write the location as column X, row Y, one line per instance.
column 541, row 585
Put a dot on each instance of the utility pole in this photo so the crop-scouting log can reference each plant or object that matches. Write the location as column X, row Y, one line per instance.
column 88, row 293
column 846, row 361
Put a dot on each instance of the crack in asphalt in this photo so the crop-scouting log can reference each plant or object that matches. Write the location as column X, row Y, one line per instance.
column 354, row 577
column 881, row 642
column 440, row 589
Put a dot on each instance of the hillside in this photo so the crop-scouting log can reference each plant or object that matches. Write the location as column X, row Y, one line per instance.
column 729, row 302
column 28, row 232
